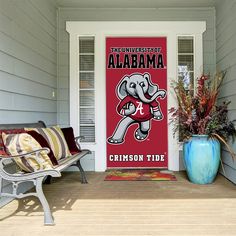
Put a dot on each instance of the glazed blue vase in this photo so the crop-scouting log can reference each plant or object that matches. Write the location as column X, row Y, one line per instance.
column 201, row 158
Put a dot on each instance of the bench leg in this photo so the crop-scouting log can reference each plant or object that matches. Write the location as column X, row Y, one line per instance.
column 82, row 173
column 48, row 219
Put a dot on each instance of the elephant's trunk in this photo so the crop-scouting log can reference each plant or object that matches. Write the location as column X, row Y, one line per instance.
column 144, row 99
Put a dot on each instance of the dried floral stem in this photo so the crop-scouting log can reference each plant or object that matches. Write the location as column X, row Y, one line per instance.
column 231, row 151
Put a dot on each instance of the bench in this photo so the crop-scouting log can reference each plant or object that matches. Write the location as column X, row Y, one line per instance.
column 37, row 177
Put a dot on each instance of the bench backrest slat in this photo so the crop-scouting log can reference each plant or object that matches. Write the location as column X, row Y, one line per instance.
column 39, row 124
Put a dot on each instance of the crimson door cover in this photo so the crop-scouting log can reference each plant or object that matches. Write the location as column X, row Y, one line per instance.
column 136, row 89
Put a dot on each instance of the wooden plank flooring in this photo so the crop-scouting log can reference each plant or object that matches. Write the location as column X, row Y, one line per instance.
column 126, row 208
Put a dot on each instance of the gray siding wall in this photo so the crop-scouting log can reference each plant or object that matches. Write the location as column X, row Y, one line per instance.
column 69, row 14
column 226, row 60
column 28, row 61
column 28, row 64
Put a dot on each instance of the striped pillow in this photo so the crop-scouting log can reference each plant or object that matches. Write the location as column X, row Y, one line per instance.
column 8, row 131
column 55, row 139
column 43, row 142
column 16, row 144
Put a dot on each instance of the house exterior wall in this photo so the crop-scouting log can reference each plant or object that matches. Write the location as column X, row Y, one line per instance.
column 28, row 61
column 28, row 64
column 226, row 60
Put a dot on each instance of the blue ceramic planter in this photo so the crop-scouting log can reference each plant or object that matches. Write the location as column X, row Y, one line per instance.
column 201, row 159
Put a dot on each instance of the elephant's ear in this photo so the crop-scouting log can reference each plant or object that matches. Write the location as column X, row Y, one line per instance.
column 152, row 88
column 121, row 88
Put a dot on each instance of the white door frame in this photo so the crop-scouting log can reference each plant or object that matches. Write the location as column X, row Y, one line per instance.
column 103, row 29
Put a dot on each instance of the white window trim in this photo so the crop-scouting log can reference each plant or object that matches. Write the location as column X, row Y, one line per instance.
column 78, row 88
column 198, row 63
column 194, row 59
column 103, row 29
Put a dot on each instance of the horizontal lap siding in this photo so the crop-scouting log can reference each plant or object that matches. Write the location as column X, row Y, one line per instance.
column 226, row 60
column 28, row 64
column 28, row 61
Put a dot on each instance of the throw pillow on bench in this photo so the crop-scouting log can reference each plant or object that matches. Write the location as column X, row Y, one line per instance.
column 55, row 139
column 16, row 144
column 61, row 143
column 43, row 143
column 8, row 131
column 70, row 139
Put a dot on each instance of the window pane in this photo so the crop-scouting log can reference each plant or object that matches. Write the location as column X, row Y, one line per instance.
column 86, row 98
column 187, row 78
column 87, row 116
column 86, row 89
column 185, row 45
column 86, row 62
column 86, row 80
column 186, row 66
column 86, row 45
column 185, row 60
column 88, row 132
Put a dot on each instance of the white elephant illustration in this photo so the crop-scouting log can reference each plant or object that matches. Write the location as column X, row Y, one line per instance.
column 138, row 105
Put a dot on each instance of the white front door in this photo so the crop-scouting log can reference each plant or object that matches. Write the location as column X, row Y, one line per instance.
column 100, row 31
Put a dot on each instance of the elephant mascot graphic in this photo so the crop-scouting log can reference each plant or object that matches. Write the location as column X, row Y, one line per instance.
column 138, row 105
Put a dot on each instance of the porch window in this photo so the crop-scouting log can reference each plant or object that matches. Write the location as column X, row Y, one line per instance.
column 186, row 62
column 86, row 89
column 186, row 66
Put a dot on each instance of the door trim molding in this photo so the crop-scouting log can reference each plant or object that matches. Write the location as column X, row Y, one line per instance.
column 102, row 29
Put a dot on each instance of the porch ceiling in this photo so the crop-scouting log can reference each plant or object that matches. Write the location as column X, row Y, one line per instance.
column 135, row 3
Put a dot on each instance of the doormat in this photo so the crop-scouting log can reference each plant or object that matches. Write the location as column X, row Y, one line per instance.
column 140, row 175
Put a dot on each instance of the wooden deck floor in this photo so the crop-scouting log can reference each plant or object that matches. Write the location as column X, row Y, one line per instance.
column 126, row 208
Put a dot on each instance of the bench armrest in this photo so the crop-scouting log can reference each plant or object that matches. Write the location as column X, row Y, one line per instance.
column 27, row 176
column 28, row 154
column 77, row 139
column 25, row 154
